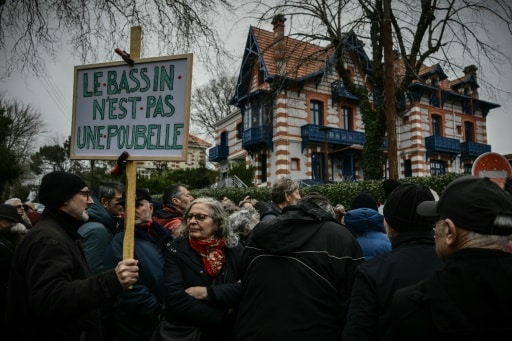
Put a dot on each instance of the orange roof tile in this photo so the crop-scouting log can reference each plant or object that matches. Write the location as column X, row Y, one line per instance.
column 302, row 58
column 199, row 141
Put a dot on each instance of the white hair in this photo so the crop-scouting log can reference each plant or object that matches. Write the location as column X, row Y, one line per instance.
column 478, row 240
column 12, row 201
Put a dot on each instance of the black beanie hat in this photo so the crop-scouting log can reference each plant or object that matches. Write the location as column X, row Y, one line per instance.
column 400, row 208
column 389, row 186
column 57, row 187
column 364, row 200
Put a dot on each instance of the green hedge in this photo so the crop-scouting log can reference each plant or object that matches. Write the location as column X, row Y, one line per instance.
column 341, row 193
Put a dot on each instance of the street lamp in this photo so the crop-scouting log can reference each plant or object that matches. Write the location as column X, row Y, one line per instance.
column 325, row 130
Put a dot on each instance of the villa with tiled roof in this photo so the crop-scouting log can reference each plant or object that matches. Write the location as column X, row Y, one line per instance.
column 297, row 118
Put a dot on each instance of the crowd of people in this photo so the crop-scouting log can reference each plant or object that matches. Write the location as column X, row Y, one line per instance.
column 418, row 267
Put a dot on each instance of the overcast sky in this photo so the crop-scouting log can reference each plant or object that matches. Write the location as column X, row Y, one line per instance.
column 52, row 95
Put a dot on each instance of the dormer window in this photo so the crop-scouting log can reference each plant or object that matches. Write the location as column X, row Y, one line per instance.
column 435, row 80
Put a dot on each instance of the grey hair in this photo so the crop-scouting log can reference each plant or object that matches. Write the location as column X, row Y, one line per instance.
column 108, row 189
column 282, row 186
column 319, row 200
column 219, row 217
column 244, row 220
column 478, row 240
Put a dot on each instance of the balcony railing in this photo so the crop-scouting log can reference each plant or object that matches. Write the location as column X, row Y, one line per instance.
column 218, row 153
column 473, row 149
column 335, row 136
column 442, row 145
column 257, row 137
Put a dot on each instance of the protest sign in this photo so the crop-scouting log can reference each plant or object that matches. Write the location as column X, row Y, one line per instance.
column 142, row 109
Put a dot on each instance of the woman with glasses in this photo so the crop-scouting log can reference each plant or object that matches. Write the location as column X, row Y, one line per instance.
column 201, row 281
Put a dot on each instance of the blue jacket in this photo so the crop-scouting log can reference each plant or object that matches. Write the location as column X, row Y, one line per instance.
column 138, row 309
column 368, row 226
column 97, row 234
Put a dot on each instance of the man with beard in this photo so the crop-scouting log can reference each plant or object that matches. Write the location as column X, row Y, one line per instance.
column 51, row 291
column 138, row 309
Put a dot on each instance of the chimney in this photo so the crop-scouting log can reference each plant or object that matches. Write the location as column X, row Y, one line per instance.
column 470, row 70
column 279, row 41
column 471, row 90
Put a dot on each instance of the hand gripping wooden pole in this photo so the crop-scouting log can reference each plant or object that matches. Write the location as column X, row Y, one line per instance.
column 131, row 166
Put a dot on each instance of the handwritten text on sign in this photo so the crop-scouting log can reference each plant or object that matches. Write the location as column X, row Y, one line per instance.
column 142, row 109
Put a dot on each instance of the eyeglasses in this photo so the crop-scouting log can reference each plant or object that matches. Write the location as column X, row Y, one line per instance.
column 86, row 194
column 199, row 217
column 19, row 206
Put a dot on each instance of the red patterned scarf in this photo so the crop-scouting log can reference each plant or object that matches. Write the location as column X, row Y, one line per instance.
column 211, row 253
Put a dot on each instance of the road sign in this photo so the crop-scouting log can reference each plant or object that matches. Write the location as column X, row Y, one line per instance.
column 493, row 166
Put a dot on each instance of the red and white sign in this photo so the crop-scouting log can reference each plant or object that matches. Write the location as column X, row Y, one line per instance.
column 493, row 166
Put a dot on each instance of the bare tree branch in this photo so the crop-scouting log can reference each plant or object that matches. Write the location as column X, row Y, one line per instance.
column 211, row 103
column 27, row 124
column 33, row 29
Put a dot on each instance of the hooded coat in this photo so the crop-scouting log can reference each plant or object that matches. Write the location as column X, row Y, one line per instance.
column 468, row 300
column 368, row 226
column 97, row 235
column 297, row 273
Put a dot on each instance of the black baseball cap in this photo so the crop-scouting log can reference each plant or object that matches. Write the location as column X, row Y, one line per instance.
column 9, row 212
column 474, row 204
column 142, row 194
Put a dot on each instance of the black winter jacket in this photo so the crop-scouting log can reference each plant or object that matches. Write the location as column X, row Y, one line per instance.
column 183, row 269
column 51, row 293
column 412, row 259
column 297, row 273
column 470, row 299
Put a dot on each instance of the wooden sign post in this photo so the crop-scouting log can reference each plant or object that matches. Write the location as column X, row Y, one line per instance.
column 131, row 166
